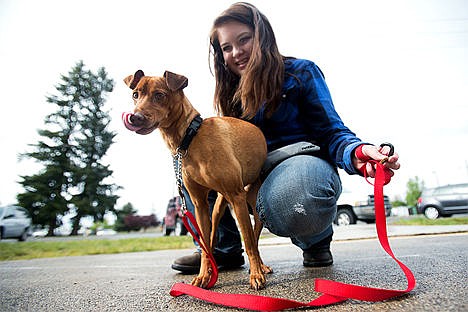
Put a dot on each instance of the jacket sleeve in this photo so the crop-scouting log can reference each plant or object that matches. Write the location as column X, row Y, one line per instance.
column 323, row 121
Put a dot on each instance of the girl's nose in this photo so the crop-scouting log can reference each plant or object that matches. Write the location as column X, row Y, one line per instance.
column 237, row 51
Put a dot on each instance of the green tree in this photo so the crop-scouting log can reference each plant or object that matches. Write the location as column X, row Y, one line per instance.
column 73, row 145
column 92, row 196
column 414, row 190
column 44, row 197
column 398, row 202
column 126, row 210
column 45, row 193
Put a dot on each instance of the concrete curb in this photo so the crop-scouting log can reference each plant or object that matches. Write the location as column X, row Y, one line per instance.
column 368, row 231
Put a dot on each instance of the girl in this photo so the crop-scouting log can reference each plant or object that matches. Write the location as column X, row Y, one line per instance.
column 288, row 99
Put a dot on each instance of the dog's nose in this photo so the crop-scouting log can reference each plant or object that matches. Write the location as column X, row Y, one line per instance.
column 137, row 119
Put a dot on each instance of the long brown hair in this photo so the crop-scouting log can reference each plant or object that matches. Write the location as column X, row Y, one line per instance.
column 262, row 81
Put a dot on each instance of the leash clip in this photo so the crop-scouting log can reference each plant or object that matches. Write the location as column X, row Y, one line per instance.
column 181, row 152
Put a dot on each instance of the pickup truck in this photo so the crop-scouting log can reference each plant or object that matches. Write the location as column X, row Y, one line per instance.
column 353, row 206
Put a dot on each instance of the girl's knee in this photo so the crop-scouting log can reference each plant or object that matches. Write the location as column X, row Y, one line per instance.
column 294, row 202
column 298, row 215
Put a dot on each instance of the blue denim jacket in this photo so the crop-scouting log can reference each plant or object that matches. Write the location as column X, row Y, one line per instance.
column 306, row 113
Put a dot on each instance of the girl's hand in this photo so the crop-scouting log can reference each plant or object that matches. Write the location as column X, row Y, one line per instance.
column 365, row 152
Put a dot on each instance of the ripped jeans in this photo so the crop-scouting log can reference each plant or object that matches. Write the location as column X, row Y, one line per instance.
column 296, row 200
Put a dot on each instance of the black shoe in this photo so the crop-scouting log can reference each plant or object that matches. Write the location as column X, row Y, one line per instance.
column 319, row 255
column 191, row 264
column 317, row 258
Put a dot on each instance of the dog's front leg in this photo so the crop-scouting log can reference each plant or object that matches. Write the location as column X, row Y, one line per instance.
column 200, row 201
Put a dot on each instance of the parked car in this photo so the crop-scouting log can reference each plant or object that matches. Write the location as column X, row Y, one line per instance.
column 353, row 206
column 14, row 223
column 105, row 232
column 172, row 221
column 444, row 201
column 39, row 232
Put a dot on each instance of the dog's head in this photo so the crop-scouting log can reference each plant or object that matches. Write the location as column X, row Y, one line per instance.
column 155, row 98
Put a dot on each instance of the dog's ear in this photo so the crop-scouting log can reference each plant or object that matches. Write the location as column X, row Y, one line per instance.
column 174, row 81
column 132, row 80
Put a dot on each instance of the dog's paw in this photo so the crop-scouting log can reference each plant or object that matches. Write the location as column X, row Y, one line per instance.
column 197, row 281
column 257, row 281
column 266, row 269
column 201, row 280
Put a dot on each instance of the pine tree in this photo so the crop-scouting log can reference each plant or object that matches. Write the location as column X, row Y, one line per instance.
column 94, row 197
column 45, row 193
column 73, row 145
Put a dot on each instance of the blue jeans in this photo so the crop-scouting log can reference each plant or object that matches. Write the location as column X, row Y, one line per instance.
column 296, row 200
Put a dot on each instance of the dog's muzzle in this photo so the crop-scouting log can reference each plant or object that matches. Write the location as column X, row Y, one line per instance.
column 132, row 122
column 138, row 123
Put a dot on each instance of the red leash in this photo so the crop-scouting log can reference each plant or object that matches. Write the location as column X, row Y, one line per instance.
column 202, row 243
column 332, row 292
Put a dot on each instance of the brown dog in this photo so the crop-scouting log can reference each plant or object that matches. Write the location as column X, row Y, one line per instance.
column 226, row 155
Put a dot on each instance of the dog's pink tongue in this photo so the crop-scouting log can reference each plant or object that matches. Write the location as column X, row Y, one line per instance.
column 126, row 120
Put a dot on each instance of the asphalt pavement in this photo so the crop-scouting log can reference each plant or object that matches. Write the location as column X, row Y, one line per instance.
column 438, row 257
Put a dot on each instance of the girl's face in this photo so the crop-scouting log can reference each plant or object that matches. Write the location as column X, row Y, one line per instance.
column 236, row 41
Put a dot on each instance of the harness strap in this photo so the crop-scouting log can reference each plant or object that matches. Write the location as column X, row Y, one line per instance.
column 332, row 292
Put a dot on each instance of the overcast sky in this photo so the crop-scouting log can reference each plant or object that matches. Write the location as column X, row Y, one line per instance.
column 397, row 71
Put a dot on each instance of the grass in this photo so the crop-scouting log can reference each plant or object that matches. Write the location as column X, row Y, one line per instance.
column 47, row 249
column 421, row 220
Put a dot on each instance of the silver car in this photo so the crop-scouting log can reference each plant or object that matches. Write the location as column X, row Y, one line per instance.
column 444, row 201
column 14, row 223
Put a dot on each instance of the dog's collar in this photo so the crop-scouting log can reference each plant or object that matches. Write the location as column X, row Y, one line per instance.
column 190, row 133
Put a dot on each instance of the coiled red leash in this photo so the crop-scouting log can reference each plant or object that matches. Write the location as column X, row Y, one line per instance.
column 332, row 292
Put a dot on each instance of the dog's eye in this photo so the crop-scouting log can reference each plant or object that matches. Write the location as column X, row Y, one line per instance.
column 135, row 95
column 158, row 96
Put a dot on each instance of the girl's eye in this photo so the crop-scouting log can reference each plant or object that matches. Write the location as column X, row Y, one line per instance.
column 244, row 40
column 227, row 49
column 135, row 95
